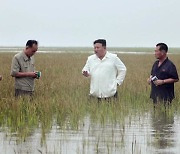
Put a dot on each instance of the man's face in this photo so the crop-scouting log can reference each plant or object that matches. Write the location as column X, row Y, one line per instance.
column 158, row 53
column 99, row 50
column 32, row 50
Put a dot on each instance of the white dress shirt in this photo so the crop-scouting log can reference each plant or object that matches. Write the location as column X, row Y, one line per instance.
column 105, row 74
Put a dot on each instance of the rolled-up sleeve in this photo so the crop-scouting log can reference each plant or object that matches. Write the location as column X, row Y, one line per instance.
column 15, row 67
column 121, row 70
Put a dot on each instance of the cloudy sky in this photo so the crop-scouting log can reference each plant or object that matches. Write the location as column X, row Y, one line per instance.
column 123, row 23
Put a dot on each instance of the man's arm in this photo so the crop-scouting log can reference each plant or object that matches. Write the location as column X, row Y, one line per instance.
column 86, row 69
column 149, row 79
column 173, row 77
column 25, row 74
column 151, row 76
column 121, row 69
column 15, row 70
column 161, row 82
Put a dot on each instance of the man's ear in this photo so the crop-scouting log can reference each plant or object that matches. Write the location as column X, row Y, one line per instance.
column 27, row 47
column 163, row 51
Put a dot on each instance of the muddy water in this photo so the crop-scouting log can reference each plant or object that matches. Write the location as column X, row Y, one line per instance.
column 157, row 131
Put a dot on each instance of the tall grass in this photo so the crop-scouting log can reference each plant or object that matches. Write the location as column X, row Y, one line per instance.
column 61, row 96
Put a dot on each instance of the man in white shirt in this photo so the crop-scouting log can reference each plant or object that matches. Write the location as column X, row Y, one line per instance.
column 106, row 71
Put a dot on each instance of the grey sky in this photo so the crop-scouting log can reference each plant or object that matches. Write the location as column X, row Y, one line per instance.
column 135, row 23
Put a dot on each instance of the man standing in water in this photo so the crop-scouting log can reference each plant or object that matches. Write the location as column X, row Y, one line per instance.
column 23, row 69
column 106, row 71
column 163, row 76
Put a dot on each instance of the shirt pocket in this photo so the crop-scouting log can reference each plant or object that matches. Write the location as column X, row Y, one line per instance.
column 163, row 74
column 32, row 67
column 25, row 68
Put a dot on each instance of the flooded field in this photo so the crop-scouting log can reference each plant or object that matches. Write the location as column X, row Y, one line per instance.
column 149, row 133
column 63, row 119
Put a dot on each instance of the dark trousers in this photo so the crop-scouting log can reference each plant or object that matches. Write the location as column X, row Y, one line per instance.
column 23, row 93
column 165, row 101
column 107, row 99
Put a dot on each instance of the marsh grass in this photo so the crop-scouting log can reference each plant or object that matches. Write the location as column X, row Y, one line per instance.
column 61, row 96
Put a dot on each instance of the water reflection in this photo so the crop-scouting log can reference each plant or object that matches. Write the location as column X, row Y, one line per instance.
column 94, row 132
column 163, row 133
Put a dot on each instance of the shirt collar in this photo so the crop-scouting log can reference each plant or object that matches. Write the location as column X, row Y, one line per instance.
column 107, row 55
column 26, row 58
column 164, row 60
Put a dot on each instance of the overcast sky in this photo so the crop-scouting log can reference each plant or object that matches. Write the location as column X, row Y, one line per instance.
column 123, row 23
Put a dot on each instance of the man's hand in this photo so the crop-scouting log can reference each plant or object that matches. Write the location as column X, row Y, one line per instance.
column 0, row 77
column 149, row 80
column 32, row 74
column 158, row 82
column 85, row 73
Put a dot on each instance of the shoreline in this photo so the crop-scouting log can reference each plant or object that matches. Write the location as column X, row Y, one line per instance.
column 91, row 52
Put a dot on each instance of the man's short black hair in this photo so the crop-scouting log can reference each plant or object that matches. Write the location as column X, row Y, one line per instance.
column 31, row 42
column 102, row 41
column 162, row 46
